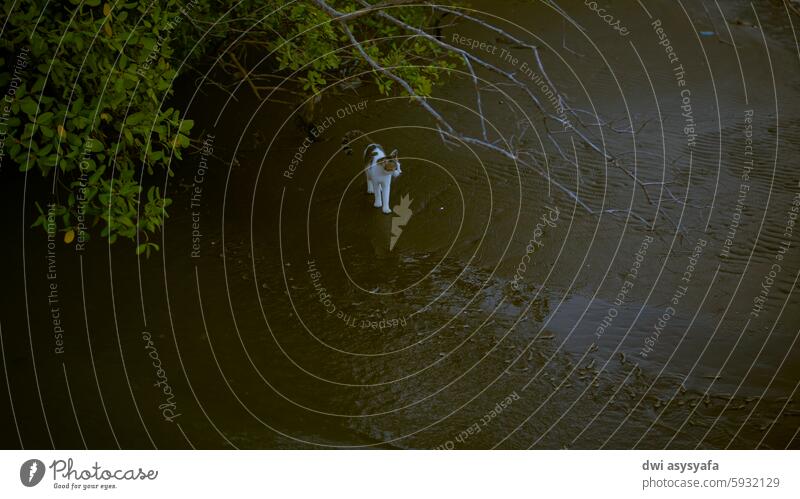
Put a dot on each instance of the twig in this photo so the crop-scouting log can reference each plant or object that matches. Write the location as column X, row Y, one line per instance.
column 245, row 75
column 477, row 97
column 564, row 41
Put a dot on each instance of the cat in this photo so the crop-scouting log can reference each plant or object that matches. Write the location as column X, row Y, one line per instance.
column 379, row 169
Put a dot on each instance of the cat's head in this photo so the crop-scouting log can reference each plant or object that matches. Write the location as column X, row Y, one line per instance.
column 391, row 164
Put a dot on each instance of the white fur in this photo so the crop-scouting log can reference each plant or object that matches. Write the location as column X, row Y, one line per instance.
column 379, row 181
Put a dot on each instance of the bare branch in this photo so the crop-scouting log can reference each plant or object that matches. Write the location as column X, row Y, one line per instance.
column 402, row 82
column 477, row 98
column 349, row 16
column 450, row 134
column 245, row 75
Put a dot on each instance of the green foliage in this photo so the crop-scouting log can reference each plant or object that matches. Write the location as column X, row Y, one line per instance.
column 87, row 107
column 306, row 40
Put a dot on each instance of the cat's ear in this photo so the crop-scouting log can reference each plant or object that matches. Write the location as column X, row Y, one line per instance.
column 393, row 154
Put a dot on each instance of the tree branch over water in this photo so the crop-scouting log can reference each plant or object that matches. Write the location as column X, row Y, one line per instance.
column 512, row 149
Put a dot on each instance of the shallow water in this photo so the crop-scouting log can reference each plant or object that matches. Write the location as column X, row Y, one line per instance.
column 296, row 326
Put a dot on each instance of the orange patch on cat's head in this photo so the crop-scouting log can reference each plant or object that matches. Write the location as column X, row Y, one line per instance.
column 390, row 163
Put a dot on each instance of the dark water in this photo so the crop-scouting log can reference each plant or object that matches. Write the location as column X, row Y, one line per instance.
column 294, row 325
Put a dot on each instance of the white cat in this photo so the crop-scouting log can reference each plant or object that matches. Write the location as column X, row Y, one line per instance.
column 380, row 169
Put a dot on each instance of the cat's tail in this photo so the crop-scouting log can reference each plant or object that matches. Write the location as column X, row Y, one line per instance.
column 349, row 138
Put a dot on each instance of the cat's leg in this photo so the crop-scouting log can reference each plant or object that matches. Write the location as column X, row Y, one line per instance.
column 385, row 187
column 370, row 188
column 376, row 187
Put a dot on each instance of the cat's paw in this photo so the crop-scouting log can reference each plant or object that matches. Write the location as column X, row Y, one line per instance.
column 386, row 211
column 377, row 205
